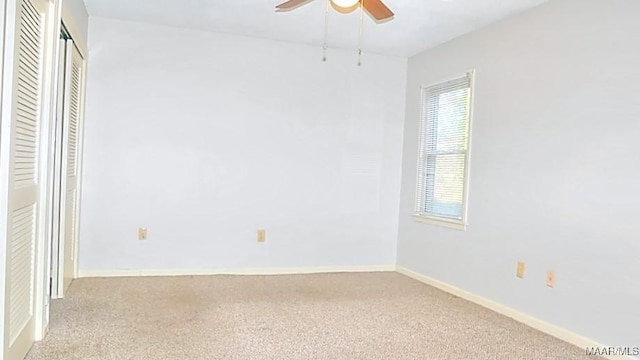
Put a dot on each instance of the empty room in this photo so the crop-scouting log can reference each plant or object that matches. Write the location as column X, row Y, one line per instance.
column 320, row 179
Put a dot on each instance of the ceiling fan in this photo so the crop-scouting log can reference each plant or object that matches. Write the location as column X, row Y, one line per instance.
column 376, row 8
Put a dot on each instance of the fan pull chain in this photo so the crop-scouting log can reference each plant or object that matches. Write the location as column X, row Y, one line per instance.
column 361, row 32
column 326, row 31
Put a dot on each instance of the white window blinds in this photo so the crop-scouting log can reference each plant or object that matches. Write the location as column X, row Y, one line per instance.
column 444, row 149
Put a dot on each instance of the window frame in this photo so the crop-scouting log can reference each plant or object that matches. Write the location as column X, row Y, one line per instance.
column 420, row 195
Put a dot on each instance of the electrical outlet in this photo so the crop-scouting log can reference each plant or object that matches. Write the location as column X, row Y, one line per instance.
column 551, row 278
column 520, row 269
column 262, row 235
column 142, row 233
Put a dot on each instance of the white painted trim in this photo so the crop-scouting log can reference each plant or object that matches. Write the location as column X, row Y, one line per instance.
column 550, row 329
column 71, row 24
column 467, row 163
column 420, row 196
column 234, row 271
column 445, row 79
column 56, row 174
column 42, row 260
column 451, row 224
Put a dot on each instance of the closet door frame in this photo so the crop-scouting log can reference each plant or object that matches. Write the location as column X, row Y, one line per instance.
column 63, row 18
column 62, row 273
column 56, row 13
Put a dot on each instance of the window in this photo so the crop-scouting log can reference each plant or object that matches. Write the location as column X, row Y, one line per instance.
column 443, row 164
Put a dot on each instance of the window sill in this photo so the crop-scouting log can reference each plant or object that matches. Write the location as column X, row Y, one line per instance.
column 450, row 224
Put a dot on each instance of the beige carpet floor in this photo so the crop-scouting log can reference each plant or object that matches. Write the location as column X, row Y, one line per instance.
column 328, row 316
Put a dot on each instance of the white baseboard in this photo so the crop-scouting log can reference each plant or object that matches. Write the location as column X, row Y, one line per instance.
column 83, row 273
column 550, row 329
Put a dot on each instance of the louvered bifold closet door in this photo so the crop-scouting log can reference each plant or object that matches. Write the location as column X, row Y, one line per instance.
column 27, row 104
column 74, row 91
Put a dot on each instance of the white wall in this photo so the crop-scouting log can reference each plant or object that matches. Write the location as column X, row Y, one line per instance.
column 555, row 167
column 203, row 138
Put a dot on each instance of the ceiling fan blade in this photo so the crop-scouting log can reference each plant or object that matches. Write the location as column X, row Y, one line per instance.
column 377, row 9
column 291, row 5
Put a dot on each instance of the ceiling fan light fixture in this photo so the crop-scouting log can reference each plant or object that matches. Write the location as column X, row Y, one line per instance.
column 345, row 4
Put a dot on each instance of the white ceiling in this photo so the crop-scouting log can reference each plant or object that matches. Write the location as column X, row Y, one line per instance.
column 418, row 24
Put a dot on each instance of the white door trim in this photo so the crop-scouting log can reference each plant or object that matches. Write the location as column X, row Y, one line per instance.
column 60, row 254
column 56, row 175
column 69, row 189
column 43, row 249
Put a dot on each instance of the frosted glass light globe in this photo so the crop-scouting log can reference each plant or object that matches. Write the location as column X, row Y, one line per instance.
column 345, row 3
